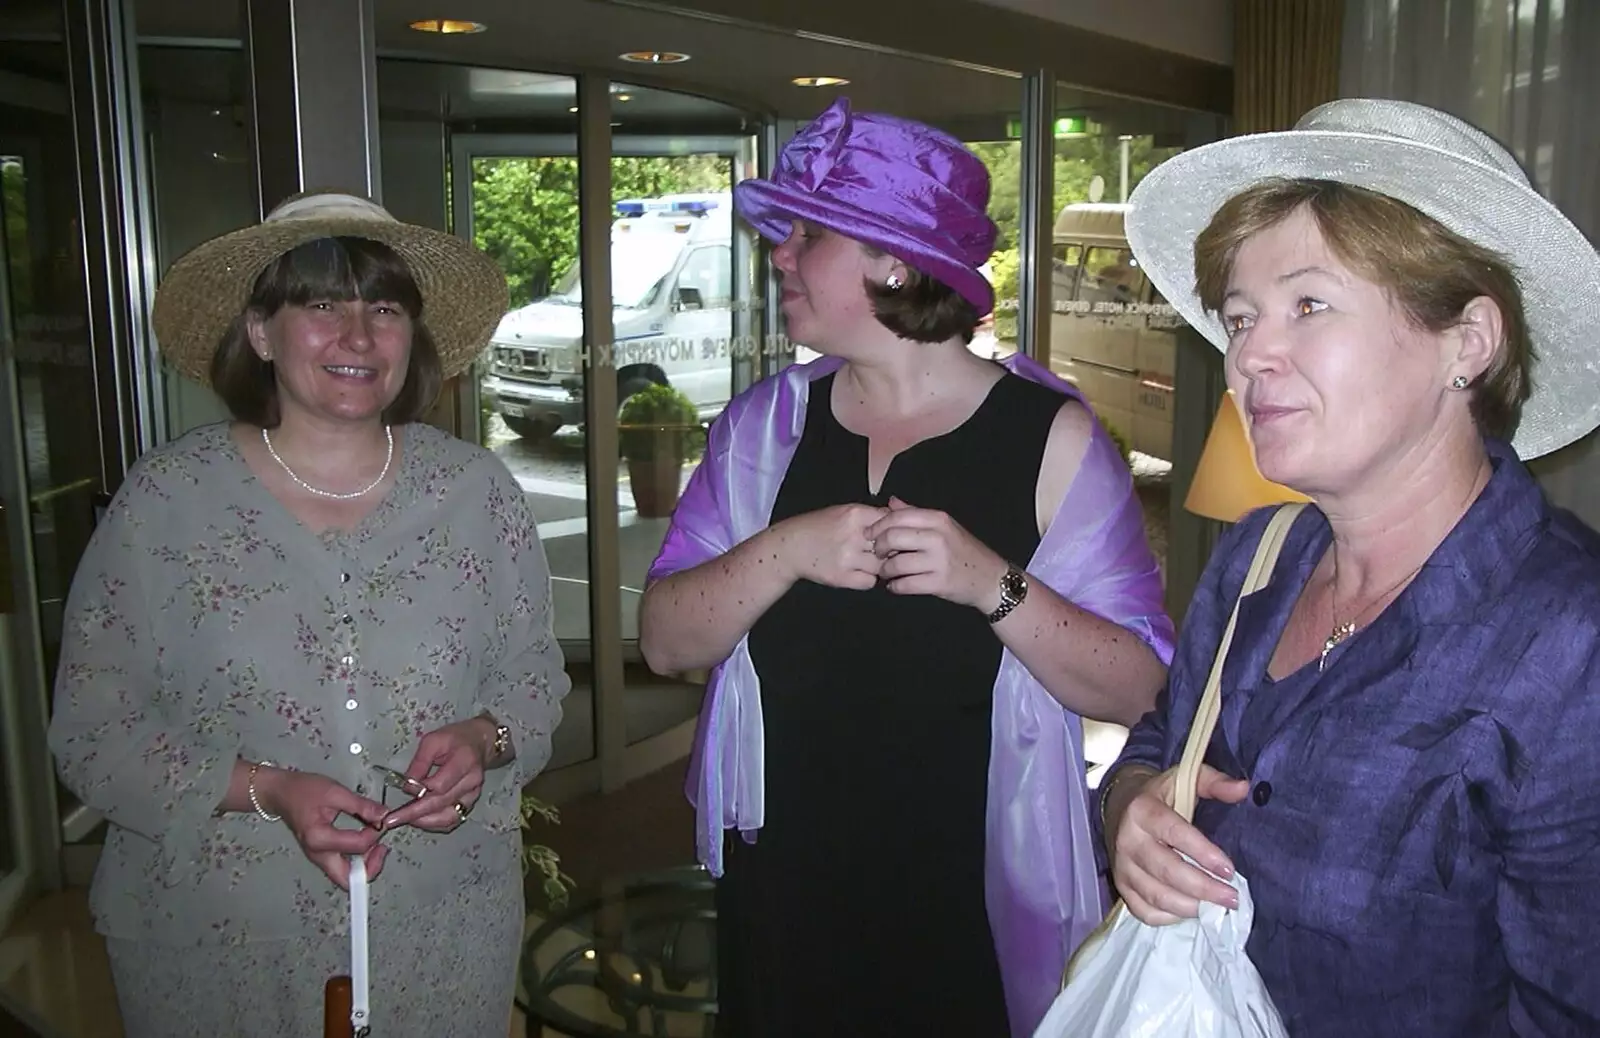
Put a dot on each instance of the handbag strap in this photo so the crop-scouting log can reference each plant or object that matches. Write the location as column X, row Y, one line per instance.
column 1205, row 716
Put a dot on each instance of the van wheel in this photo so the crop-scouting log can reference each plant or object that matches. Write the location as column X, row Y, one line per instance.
column 530, row 429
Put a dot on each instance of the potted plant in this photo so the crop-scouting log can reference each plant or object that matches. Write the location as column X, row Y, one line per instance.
column 537, row 857
column 658, row 430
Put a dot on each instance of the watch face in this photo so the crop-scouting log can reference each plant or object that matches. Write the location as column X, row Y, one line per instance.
column 1013, row 585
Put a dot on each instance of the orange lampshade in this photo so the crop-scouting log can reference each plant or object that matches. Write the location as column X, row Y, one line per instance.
column 1227, row 485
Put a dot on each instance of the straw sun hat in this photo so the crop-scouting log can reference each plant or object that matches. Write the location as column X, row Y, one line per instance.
column 1438, row 165
column 464, row 294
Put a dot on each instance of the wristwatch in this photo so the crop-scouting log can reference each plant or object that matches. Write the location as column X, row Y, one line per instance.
column 1013, row 589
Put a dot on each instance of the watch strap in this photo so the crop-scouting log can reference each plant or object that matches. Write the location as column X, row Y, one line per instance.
column 1009, row 599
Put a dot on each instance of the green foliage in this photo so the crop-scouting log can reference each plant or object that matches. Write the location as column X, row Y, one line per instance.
column 14, row 200
column 651, row 417
column 556, row 884
column 1005, row 267
column 525, row 210
column 1077, row 162
column 1120, row 440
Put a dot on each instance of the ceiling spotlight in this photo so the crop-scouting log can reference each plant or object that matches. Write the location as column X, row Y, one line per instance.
column 448, row 26
column 818, row 81
column 654, row 57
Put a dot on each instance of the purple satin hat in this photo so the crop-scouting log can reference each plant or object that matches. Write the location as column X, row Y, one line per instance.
column 911, row 190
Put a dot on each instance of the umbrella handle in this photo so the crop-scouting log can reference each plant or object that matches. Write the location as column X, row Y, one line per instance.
column 336, row 1009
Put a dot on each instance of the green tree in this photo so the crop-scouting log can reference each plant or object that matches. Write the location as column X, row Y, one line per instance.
column 1078, row 160
column 525, row 210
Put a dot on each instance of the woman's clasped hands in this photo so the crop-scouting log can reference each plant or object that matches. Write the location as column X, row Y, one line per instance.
column 446, row 772
column 830, row 546
column 926, row 552
column 309, row 805
column 912, row 551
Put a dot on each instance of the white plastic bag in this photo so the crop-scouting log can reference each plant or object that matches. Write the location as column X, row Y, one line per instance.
column 1191, row 979
column 1188, row 980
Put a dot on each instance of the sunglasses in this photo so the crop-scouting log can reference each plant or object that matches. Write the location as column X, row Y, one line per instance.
column 400, row 782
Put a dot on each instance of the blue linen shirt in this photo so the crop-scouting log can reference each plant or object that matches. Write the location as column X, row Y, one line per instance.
column 1422, row 834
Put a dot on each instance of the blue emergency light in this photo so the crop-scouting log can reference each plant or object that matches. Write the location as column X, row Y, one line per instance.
column 630, row 208
column 696, row 206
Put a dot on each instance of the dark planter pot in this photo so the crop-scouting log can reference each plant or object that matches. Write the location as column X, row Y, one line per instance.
column 655, row 480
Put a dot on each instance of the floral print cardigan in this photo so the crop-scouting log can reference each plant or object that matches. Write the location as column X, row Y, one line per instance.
column 206, row 623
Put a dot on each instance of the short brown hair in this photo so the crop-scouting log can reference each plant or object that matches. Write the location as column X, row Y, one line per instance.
column 924, row 309
column 338, row 269
column 1429, row 270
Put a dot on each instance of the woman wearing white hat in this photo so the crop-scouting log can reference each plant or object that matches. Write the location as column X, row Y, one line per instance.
column 276, row 609
column 1404, row 769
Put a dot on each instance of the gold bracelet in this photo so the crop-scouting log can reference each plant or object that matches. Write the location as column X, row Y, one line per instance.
column 1105, row 793
column 255, row 801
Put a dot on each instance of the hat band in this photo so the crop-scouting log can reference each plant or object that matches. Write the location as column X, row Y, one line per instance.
column 965, row 238
column 330, row 207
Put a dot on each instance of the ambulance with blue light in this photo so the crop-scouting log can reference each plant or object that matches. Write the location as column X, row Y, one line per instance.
column 672, row 290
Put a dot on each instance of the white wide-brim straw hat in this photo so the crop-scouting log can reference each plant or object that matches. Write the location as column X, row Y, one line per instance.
column 1440, row 166
column 464, row 294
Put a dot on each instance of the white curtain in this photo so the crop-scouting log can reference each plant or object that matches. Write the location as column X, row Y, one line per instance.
column 1526, row 71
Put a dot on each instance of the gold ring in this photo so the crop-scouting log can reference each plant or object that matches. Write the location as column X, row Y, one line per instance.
column 461, row 812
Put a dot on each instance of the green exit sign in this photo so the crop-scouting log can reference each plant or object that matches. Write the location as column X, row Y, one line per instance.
column 1068, row 126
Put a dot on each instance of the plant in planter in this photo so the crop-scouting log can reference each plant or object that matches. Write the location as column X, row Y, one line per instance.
column 537, row 857
column 658, row 430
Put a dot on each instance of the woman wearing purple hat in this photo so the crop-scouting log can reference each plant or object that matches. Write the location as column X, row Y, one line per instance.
column 917, row 569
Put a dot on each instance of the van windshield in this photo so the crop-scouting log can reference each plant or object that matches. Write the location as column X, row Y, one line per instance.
column 640, row 266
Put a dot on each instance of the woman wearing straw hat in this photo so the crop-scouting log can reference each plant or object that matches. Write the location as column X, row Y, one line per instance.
column 1404, row 769
column 912, row 569
column 274, row 609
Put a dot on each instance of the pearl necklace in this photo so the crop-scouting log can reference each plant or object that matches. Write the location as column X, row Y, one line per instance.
column 388, row 433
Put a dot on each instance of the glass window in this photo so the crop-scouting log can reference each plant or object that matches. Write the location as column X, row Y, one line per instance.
column 1111, row 275
column 676, row 355
column 1110, row 334
column 708, row 273
column 516, row 196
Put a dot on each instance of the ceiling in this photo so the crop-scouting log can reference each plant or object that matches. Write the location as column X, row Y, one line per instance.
column 1198, row 28
column 474, row 80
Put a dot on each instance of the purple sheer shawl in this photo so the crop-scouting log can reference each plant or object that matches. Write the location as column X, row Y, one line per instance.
column 1042, row 888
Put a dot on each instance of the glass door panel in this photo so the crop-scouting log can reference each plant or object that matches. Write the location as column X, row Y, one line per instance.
column 516, row 197
column 682, row 350
column 49, row 442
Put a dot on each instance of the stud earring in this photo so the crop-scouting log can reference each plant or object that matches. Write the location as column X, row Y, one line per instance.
column 1460, row 382
column 894, row 283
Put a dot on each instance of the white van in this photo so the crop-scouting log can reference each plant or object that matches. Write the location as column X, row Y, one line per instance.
column 1111, row 333
column 672, row 290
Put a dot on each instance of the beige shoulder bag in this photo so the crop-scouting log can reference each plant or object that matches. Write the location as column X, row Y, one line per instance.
column 1205, row 718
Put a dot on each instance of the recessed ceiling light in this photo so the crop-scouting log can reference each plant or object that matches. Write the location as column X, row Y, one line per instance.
column 654, row 57
column 624, row 97
column 818, row 81
column 450, row 26
column 573, row 110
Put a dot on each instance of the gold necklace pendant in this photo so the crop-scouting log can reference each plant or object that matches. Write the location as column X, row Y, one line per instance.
column 1339, row 633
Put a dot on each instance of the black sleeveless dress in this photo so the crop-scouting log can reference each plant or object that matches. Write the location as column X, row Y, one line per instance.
column 860, row 908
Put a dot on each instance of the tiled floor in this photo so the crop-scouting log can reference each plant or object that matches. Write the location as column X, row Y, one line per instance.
column 53, row 969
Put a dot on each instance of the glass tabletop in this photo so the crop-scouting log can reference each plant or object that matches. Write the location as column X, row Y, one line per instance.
column 638, row 960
